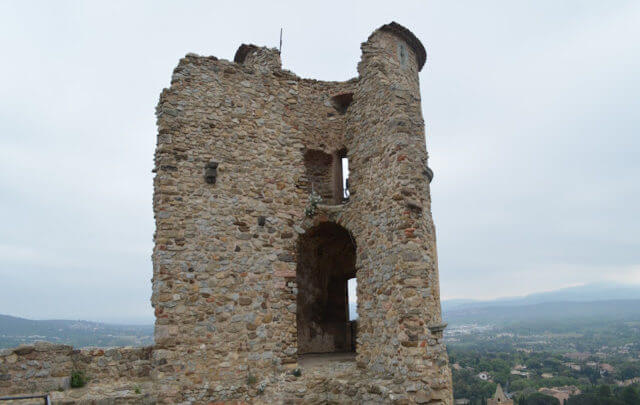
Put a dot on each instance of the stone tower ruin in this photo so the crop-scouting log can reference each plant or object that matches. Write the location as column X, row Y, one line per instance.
column 249, row 276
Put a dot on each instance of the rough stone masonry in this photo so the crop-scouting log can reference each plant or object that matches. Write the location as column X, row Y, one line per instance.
column 245, row 284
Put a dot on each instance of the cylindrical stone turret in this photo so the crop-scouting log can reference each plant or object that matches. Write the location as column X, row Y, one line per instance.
column 400, row 326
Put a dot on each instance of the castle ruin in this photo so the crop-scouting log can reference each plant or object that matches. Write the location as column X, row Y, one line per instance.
column 247, row 278
column 250, row 270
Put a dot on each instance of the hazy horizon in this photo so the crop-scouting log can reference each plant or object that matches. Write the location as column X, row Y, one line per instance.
column 150, row 319
column 531, row 127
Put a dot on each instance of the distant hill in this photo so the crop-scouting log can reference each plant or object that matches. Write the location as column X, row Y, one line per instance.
column 605, row 301
column 15, row 331
column 581, row 301
column 585, row 293
column 618, row 310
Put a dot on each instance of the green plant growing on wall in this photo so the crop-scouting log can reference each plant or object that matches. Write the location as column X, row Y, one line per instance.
column 312, row 207
column 78, row 379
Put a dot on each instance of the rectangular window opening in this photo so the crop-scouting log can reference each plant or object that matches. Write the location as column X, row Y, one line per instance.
column 352, row 298
column 345, row 179
column 352, row 305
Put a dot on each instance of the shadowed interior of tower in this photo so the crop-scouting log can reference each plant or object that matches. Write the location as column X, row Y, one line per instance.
column 326, row 261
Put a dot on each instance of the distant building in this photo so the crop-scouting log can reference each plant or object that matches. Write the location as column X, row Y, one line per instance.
column 628, row 382
column 607, row 367
column 561, row 393
column 462, row 401
column 577, row 356
column 561, row 396
column 520, row 373
column 499, row 398
column 483, row 375
column 547, row 375
column 573, row 366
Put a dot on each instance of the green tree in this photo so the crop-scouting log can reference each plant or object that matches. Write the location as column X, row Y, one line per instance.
column 520, row 384
column 539, row 398
column 592, row 374
column 604, row 391
column 630, row 396
column 628, row 370
column 593, row 399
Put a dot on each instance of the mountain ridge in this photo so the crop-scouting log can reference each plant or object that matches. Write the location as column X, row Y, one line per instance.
column 584, row 293
column 15, row 330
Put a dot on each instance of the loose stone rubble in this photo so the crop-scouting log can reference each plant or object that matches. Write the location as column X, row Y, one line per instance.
column 248, row 280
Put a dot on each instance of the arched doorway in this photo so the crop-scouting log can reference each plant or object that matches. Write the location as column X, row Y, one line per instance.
column 326, row 261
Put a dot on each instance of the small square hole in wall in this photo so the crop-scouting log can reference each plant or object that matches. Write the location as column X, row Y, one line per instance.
column 341, row 102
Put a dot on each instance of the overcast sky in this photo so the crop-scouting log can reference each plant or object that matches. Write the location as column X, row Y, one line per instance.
column 532, row 115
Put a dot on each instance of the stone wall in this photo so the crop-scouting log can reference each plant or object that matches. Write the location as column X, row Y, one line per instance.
column 224, row 285
column 226, row 257
column 44, row 367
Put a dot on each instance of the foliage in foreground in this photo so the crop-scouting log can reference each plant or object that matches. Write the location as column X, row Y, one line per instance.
column 78, row 379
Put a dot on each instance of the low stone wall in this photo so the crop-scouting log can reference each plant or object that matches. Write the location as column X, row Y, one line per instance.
column 122, row 376
column 45, row 367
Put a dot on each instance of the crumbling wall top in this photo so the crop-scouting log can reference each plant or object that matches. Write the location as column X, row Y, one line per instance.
column 249, row 54
column 242, row 52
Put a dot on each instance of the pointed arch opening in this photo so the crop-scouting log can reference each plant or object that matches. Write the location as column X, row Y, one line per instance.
column 326, row 263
